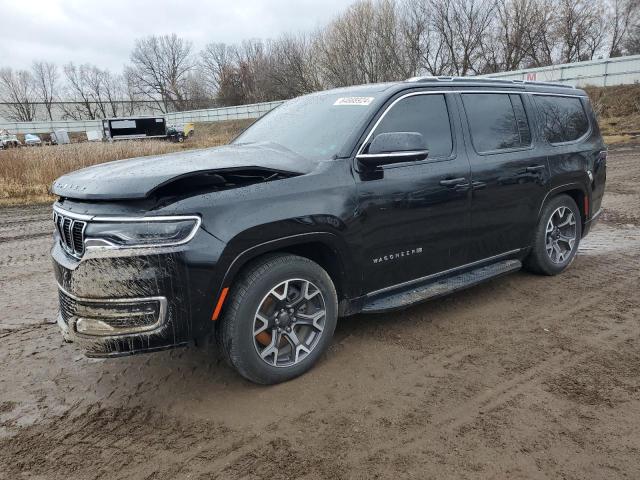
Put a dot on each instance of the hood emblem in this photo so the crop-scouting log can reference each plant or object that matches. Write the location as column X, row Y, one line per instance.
column 70, row 186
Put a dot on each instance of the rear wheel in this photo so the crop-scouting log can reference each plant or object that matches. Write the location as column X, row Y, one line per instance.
column 280, row 319
column 557, row 237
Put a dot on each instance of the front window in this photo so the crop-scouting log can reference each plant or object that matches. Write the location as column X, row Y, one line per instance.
column 314, row 126
column 425, row 114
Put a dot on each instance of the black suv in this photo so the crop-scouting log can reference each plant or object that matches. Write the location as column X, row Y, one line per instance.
column 357, row 200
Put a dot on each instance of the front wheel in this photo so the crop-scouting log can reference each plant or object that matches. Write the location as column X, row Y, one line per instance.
column 280, row 319
column 557, row 237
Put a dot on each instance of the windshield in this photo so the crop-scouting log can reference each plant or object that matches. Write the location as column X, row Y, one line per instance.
column 315, row 126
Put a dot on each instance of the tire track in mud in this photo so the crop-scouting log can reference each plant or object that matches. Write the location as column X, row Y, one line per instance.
column 495, row 398
column 39, row 216
column 26, row 236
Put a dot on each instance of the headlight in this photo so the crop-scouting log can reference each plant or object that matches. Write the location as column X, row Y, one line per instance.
column 159, row 231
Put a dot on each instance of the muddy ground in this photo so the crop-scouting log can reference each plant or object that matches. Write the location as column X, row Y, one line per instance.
column 523, row 377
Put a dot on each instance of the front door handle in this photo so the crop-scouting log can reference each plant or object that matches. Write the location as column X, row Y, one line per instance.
column 535, row 168
column 478, row 185
column 453, row 182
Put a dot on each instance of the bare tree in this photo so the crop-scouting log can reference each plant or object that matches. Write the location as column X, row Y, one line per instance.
column 45, row 75
column 114, row 93
column 464, row 27
column 17, row 90
column 78, row 92
column 294, row 70
column 424, row 46
column 581, row 29
column 632, row 42
column 363, row 45
column 131, row 101
column 541, row 36
column 517, row 35
column 622, row 15
column 252, row 71
column 160, row 68
column 216, row 61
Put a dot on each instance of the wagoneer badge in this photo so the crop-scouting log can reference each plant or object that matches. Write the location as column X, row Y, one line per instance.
column 398, row 255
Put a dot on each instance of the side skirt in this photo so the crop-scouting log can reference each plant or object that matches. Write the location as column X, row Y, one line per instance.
column 417, row 293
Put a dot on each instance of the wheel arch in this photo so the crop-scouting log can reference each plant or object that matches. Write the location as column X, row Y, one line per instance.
column 577, row 192
column 324, row 248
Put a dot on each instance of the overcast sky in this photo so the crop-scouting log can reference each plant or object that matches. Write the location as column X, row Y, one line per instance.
column 103, row 32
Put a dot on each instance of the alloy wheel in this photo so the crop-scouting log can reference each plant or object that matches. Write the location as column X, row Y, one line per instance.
column 289, row 322
column 560, row 235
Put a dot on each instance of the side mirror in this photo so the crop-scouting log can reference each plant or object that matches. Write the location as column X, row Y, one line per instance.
column 394, row 147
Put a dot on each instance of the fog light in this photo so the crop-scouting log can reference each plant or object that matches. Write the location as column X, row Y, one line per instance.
column 113, row 316
column 91, row 326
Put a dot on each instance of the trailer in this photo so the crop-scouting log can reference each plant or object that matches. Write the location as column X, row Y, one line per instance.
column 129, row 128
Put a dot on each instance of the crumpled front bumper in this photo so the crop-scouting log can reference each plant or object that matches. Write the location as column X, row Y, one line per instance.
column 93, row 322
column 123, row 302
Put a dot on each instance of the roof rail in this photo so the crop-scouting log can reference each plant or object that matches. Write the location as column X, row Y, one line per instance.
column 549, row 84
column 484, row 80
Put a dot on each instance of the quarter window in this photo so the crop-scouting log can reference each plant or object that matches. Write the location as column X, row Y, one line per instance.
column 425, row 114
column 497, row 121
column 563, row 118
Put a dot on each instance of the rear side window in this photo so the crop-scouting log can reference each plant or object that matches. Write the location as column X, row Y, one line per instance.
column 563, row 118
column 497, row 121
column 425, row 114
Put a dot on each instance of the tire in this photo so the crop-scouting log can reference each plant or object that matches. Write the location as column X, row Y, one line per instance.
column 546, row 258
column 269, row 356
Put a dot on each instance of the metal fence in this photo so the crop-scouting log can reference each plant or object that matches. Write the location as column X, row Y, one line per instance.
column 606, row 72
column 598, row 73
column 209, row 115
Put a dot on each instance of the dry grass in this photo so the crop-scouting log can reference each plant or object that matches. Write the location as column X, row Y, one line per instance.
column 26, row 174
column 618, row 110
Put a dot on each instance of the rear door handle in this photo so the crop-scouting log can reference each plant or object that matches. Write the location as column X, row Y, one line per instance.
column 454, row 182
column 478, row 185
column 534, row 168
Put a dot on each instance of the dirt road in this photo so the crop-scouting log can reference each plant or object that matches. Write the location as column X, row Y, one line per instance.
column 524, row 377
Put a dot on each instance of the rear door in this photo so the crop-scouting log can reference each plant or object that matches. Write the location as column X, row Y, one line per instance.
column 415, row 215
column 573, row 144
column 509, row 174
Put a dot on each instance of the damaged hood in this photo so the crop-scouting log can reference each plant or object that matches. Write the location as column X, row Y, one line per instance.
column 138, row 178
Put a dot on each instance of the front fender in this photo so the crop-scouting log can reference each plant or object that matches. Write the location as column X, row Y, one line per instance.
column 245, row 247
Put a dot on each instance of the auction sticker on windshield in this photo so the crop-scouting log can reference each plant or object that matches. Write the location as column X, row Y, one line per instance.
column 354, row 101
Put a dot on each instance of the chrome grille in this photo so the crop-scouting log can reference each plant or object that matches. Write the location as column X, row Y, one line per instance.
column 71, row 233
column 68, row 306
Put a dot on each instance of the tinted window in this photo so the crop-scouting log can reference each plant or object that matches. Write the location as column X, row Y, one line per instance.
column 563, row 118
column 426, row 114
column 497, row 121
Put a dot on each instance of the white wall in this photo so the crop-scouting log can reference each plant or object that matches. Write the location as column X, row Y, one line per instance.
column 599, row 73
